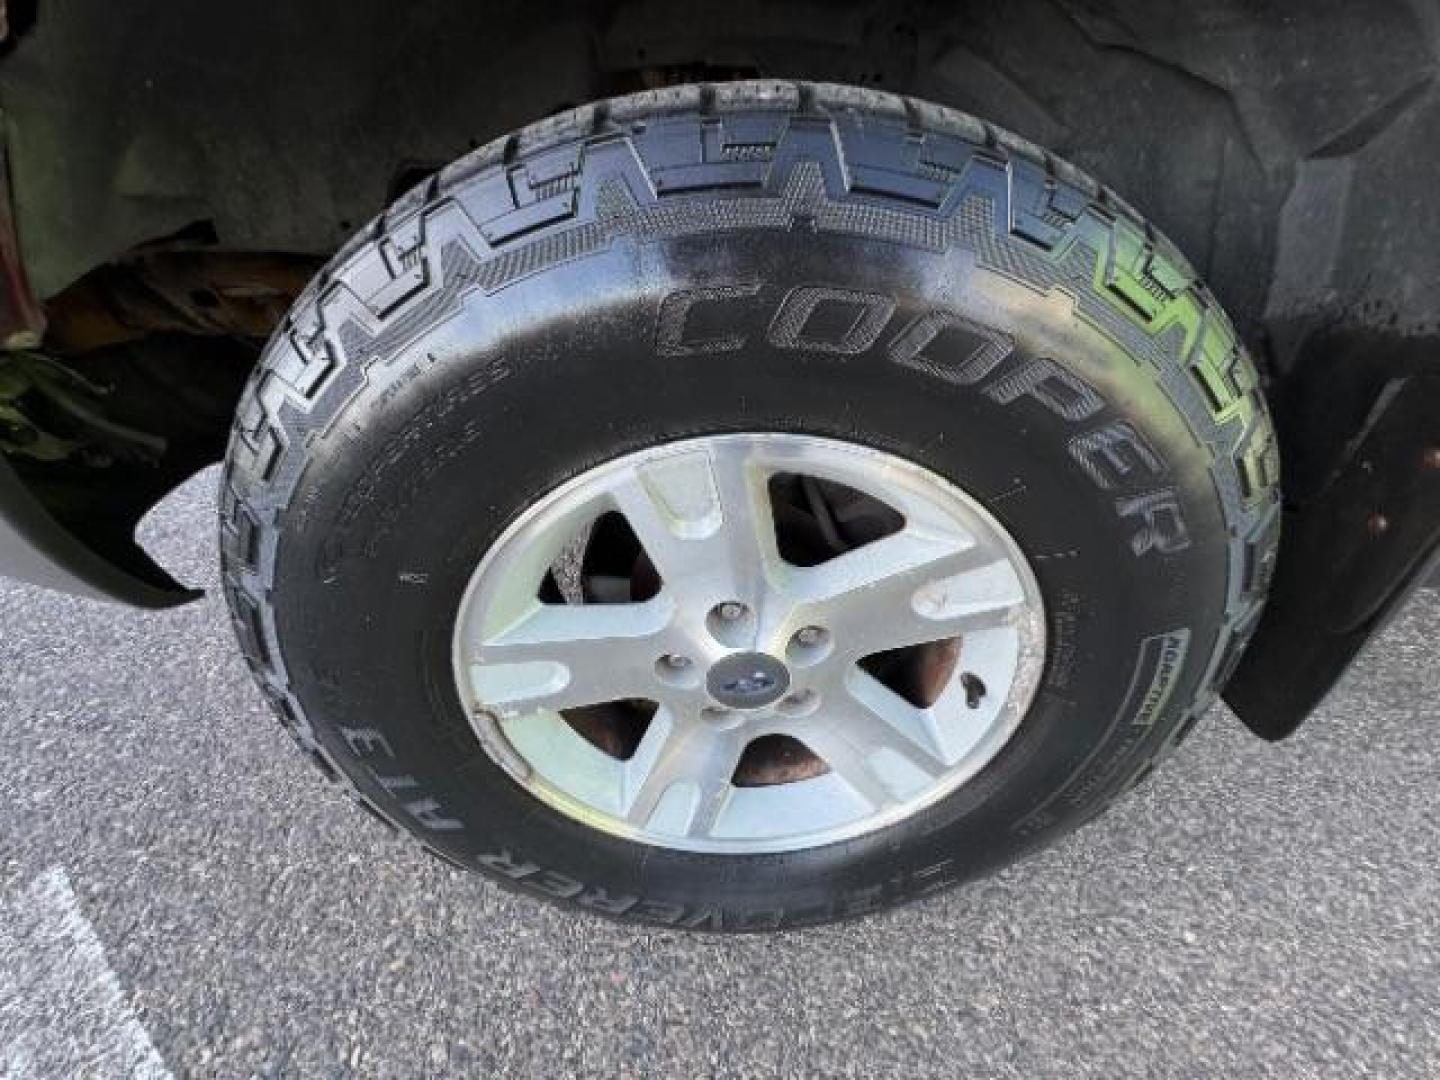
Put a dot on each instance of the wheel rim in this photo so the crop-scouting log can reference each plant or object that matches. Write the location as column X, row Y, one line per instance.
column 771, row 700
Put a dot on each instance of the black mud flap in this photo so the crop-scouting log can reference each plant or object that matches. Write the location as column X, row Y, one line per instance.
column 1350, row 556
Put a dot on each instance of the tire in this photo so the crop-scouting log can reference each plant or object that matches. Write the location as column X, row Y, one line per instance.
column 772, row 257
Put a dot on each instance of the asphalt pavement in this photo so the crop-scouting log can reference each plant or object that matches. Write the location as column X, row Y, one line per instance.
column 181, row 896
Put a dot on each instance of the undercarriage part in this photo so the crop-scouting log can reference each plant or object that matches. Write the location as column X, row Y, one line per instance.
column 34, row 387
column 202, row 293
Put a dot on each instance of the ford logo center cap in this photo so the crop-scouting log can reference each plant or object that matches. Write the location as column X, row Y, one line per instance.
column 748, row 681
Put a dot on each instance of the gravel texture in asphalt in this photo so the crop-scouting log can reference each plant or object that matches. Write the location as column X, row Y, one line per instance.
column 180, row 893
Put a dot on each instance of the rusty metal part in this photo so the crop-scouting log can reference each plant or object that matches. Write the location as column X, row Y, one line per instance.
column 777, row 759
column 918, row 673
column 934, row 667
column 201, row 293
column 50, row 413
column 614, row 728
column 22, row 320
column 19, row 433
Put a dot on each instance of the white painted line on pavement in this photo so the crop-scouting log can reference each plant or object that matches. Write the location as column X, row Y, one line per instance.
column 63, row 1012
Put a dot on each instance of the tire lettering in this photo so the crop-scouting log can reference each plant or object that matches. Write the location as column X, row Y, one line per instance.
column 531, row 875
column 709, row 918
column 869, row 312
column 363, row 741
column 1172, row 648
column 505, row 864
column 1164, row 527
column 658, row 911
column 557, row 885
column 983, row 349
column 1067, row 396
column 759, row 920
column 1111, row 454
column 600, row 900
column 1065, row 639
column 392, row 784
column 934, row 878
column 427, row 812
column 672, row 337
column 1161, row 661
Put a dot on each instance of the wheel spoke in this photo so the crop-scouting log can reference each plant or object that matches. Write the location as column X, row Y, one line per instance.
column 705, row 521
column 563, row 656
column 911, row 588
column 679, row 779
column 862, row 725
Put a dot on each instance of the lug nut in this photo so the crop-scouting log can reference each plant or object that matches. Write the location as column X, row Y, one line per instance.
column 808, row 645
column 676, row 670
column 800, row 702
column 730, row 623
column 720, row 716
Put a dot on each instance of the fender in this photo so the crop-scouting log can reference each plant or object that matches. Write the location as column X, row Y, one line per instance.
column 34, row 547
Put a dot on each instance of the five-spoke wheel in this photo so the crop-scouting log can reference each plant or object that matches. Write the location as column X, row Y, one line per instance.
column 784, row 681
